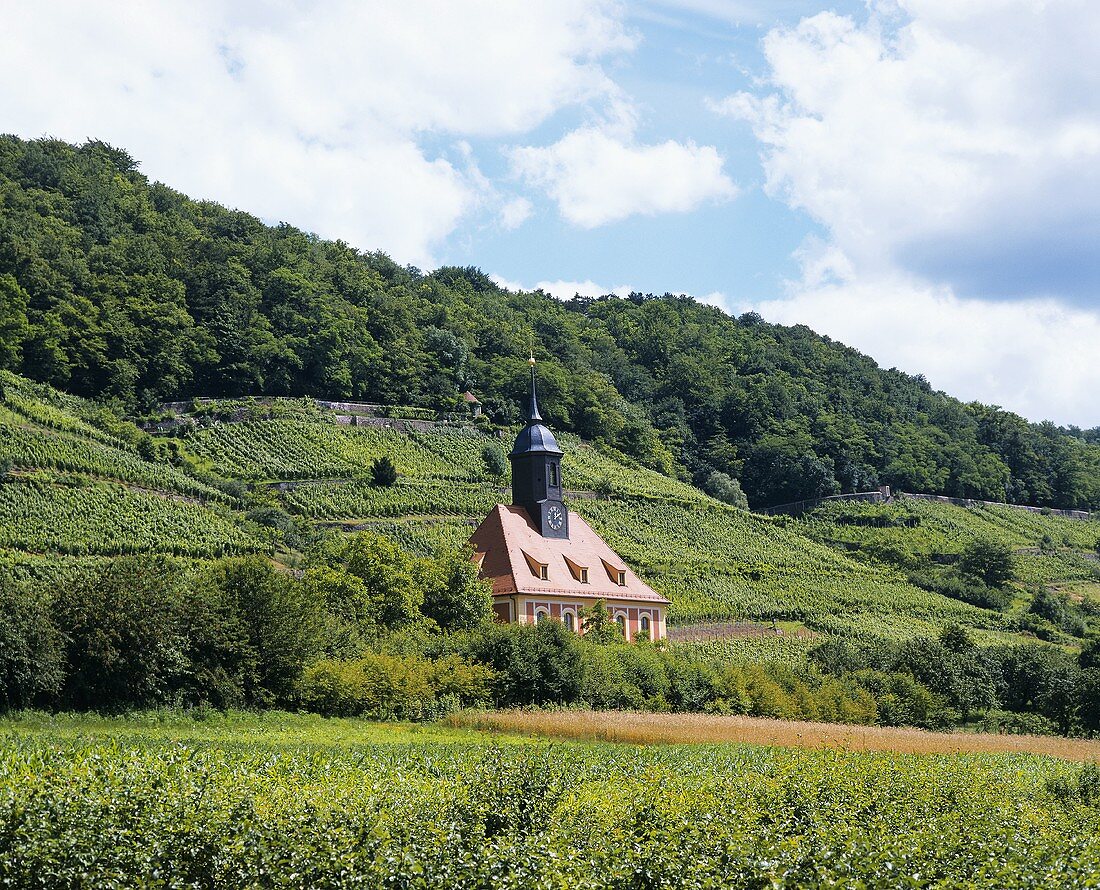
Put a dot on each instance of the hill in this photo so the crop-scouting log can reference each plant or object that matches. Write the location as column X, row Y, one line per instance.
column 83, row 485
column 116, row 288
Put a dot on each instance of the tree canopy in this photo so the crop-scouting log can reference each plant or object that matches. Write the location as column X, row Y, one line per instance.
column 122, row 289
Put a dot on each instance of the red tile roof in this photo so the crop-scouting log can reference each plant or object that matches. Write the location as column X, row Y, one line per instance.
column 510, row 549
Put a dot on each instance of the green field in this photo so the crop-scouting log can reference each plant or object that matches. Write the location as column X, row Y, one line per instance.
column 941, row 528
column 81, row 487
column 291, row 801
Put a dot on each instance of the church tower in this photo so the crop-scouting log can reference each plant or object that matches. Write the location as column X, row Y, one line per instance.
column 536, row 473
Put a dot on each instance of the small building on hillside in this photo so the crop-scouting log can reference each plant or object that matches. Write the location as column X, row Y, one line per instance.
column 545, row 561
column 473, row 405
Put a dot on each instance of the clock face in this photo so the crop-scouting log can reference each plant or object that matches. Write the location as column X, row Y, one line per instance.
column 555, row 517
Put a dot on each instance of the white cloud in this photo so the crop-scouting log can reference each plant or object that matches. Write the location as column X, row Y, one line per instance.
column 963, row 145
column 314, row 113
column 564, row 290
column 599, row 174
column 515, row 213
column 732, row 11
column 1035, row 357
column 952, row 153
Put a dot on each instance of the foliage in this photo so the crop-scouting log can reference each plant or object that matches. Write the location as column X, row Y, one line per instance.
column 123, row 646
column 31, row 668
column 496, row 464
column 533, row 664
column 280, row 618
column 726, row 489
column 598, row 625
column 115, row 287
column 989, row 561
column 382, row 472
column 295, row 802
column 453, row 596
column 388, row 686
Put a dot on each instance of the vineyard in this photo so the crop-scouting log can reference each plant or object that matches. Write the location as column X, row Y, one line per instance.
column 108, row 520
column 298, row 449
column 79, row 488
column 359, row 498
column 933, row 527
column 720, row 563
column 286, row 801
column 27, row 447
column 1048, row 548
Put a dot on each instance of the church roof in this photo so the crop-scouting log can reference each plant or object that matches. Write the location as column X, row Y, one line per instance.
column 535, row 437
column 511, row 551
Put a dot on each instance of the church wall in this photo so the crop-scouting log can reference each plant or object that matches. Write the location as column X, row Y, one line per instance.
column 557, row 607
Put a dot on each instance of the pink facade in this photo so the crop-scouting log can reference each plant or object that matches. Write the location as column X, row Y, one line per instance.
column 536, row 578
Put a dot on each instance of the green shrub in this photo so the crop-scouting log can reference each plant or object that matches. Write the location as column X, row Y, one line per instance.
column 30, row 647
column 386, row 686
column 282, row 620
column 382, row 472
column 496, row 464
column 989, row 561
column 123, row 647
column 533, row 664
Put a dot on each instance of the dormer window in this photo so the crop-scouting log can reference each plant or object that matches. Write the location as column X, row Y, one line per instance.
column 615, row 573
column 579, row 572
column 538, row 568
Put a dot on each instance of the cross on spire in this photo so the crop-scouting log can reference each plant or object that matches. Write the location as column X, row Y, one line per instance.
column 533, row 415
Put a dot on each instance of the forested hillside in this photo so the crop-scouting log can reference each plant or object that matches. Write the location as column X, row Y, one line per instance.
column 120, row 289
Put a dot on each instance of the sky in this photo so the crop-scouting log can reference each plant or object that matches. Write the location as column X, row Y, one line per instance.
column 919, row 179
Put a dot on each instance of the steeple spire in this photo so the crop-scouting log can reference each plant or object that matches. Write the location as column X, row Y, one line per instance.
column 533, row 415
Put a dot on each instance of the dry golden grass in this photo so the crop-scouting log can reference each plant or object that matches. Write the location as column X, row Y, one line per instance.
column 648, row 729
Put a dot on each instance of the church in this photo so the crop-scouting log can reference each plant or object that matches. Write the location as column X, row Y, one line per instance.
column 545, row 561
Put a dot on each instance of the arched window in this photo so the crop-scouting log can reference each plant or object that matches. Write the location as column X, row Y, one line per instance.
column 569, row 621
column 541, row 615
column 645, row 625
column 621, row 621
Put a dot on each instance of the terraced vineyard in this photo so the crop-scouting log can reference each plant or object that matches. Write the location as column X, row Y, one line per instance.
column 944, row 528
column 100, row 497
column 720, row 563
column 299, row 449
column 76, row 491
column 108, row 520
column 359, row 498
column 27, row 446
column 1049, row 548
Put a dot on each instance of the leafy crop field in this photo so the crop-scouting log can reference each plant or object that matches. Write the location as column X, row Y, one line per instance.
column 286, row 801
column 721, row 563
column 109, row 519
column 944, row 528
column 715, row 563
